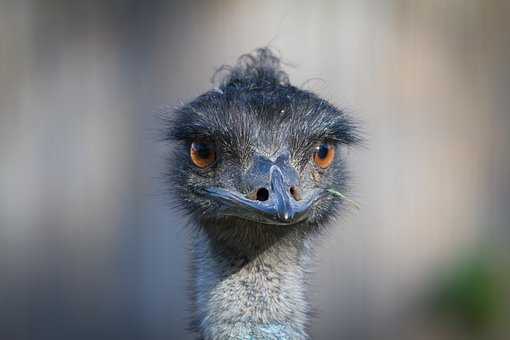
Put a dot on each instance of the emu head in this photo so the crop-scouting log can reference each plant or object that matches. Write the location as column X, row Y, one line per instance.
column 259, row 153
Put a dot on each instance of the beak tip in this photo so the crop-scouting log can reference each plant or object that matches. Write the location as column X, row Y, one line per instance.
column 286, row 217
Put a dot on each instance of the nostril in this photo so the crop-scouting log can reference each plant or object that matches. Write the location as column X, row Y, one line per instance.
column 295, row 193
column 262, row 194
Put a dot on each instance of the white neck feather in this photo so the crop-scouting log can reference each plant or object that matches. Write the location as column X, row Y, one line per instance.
column 246, row 295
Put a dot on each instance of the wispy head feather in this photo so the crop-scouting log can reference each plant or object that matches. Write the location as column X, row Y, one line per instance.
column 258, row 70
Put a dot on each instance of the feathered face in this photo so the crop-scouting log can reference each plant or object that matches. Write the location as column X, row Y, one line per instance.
column 259, row 149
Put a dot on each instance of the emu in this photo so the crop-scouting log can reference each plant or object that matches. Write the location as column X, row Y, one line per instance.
column 257, row 170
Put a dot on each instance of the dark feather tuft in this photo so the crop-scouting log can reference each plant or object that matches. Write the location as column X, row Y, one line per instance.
column 258, row 70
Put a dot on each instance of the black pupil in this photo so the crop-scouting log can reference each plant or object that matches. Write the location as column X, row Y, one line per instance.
column 202, row 150
column 323, row 151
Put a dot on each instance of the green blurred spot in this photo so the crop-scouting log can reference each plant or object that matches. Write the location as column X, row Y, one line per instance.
column 471, row 295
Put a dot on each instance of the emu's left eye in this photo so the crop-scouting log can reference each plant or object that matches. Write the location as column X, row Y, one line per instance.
column 324, row 155
column 202, row 154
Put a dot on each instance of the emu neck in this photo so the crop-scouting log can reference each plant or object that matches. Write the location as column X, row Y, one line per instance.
column 250, row 283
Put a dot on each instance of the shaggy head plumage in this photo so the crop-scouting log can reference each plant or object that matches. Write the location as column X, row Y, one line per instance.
column 256, row 113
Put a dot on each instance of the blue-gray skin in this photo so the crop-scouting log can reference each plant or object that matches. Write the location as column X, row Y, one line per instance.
column 251, row 256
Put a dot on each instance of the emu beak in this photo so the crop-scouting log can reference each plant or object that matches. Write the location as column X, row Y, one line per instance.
column 282, row 198
column 280, row 207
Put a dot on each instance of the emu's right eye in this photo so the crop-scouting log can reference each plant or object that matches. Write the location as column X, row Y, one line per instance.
column 202, row 154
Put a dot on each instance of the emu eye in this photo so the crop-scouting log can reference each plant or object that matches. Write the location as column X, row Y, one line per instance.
column 324, row 155
column 202, row 154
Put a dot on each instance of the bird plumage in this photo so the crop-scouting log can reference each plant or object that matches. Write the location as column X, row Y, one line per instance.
column 249, row 269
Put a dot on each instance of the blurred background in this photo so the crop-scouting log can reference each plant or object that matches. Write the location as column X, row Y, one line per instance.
column 89, row 247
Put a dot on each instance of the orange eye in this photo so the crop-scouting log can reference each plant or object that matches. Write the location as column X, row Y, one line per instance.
column 324, row 155
column 202, row 154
